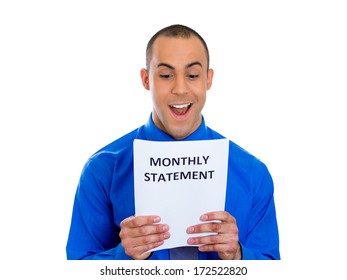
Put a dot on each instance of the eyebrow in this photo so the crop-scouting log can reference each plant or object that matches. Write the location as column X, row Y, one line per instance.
column 187, row 66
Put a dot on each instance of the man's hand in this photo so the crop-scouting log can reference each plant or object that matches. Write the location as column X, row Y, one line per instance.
column 142, row 233
column 225, row 242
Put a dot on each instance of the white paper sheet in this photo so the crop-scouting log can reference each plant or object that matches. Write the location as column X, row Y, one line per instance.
column 180, row 181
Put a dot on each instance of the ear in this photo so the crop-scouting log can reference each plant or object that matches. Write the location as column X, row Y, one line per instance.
column 144, row 78
column 209, row 78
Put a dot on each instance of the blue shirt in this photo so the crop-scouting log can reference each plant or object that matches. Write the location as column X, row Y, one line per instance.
column 105, row 196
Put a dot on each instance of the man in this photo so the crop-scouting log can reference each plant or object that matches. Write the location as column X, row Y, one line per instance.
column 103, row 224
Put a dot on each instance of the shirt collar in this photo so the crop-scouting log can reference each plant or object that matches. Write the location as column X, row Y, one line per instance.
column 153, row 133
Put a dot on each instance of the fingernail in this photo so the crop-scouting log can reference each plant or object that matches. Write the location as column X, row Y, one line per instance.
column 156, row 220
column 202, row 248
column 190, row 241
column 190, row 230
column 165, row 228
column 204, row 217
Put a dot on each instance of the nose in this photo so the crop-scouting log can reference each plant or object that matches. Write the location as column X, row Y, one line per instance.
column 180, row 86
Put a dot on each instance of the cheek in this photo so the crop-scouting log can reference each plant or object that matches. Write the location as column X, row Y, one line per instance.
column 159, row 93
column 200, row 92
column 158, row 101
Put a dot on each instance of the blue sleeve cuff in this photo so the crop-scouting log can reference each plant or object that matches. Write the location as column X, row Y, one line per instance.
column 249, row 254
column 246, row 254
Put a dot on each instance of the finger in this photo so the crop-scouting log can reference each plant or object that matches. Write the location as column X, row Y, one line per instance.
column 207, row 227
column 138, row 221
column 139, row 252
column 215, row 227
column 210, row 239
column 145, row 240
column 226, row 248
column 222, row 216
column 137, row 247
column 127, row 232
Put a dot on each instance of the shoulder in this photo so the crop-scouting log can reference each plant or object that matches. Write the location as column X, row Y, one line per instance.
column 119, row 144
column 240, row 159
column 250, row 170
column 241, row 156
column 105, row 158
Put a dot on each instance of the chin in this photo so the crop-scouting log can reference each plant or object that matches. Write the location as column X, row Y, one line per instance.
column 179, row 134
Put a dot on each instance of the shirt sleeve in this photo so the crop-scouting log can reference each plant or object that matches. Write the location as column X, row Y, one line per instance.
column 93, row 233
column 262, row 241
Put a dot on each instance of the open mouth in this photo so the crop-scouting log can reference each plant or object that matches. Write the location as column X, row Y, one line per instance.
column 180, row 109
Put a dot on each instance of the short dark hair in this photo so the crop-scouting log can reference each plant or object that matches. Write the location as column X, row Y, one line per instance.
column 175, row 31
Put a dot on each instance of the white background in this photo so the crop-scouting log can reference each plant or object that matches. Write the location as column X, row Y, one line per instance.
column 70, row 84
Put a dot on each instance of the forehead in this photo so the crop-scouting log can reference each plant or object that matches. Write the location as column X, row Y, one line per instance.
column 178, row 50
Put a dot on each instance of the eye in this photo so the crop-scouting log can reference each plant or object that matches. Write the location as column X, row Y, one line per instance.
column 192, row 76
column 166, row 76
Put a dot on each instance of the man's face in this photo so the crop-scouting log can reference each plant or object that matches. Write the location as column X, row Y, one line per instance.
column 178, row 80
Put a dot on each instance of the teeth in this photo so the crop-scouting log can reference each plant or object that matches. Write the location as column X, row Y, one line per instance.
column 180, row 106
